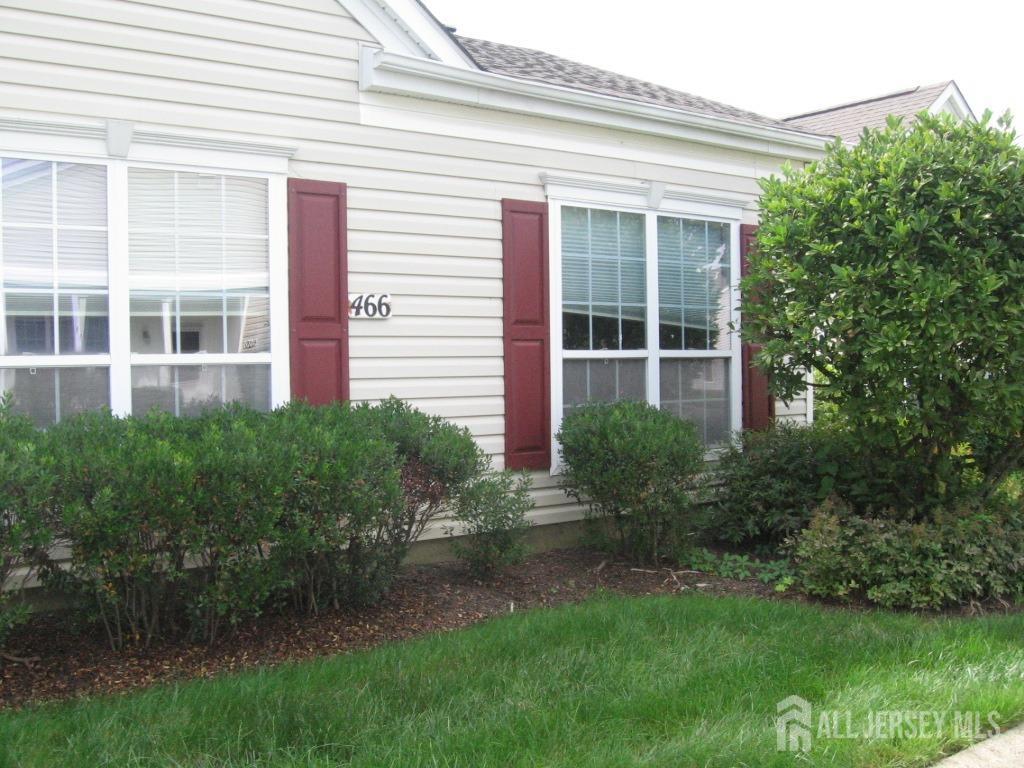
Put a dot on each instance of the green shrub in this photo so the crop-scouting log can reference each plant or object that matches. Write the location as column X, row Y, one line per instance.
column 122, row 503
column 439, row 460
column 490, row 522
column 771, row 482
column 342, row 530
column 25, row 486
column 633, row 466
column 894, row 270
column 957, row 556
column 237, row 495
column 176, row 525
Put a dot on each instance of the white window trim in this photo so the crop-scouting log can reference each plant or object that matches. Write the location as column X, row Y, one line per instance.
column 88, row 143
column 638, row 198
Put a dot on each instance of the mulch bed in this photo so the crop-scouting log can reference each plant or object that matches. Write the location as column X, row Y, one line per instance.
column 67, row 663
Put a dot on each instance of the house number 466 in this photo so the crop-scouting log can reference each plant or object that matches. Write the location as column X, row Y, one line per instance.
column 369, row 306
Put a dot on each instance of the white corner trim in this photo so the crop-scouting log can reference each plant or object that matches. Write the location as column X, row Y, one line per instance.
column 647, row 195
column 407, row 27
column 385, row 72
column 127, row 141
column 954, row 98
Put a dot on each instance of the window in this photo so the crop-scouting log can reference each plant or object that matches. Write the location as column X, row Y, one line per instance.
column 648, row 299
column 53, row 286
column 199, row 280
column 187, row 325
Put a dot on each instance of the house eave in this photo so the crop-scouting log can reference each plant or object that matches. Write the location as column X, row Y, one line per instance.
column 390, row 73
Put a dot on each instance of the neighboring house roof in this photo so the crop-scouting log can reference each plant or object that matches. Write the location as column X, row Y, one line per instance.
column 538, row 66
column 847, row 121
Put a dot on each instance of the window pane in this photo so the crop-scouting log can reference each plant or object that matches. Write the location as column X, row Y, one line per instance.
column 81, row 195
column 153, row 322
column 188, row 390
column 83, row 324
column 81, row 258
column 606, row 381
column 28, row 257
column 199, row 277
column 693, row 284
column 202, row 319
column 604, row 290
column 698, row 391
column 47, row 395
column 248, row 318
column 29, row 323
column 27, row 191
column 34, row 309
column 575, row 327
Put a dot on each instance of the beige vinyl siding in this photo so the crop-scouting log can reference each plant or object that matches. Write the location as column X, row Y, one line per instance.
column 425, row 178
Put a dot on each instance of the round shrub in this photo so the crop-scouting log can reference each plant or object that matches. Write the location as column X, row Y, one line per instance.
column 633, row 466
column 489, row 522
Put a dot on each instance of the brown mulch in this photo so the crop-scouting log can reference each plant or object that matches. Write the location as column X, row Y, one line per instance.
column 65, row 662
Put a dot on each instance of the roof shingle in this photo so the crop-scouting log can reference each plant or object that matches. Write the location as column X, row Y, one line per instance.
column 847, row 121
column 530, row 64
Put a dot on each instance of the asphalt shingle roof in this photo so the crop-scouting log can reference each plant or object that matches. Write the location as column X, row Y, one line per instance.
column 530, row 64
column 847, row 121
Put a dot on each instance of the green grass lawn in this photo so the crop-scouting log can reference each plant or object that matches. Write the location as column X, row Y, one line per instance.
column 672, row 681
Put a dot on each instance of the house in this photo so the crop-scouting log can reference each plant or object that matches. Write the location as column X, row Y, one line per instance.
column 243, row 200
column 848, row 121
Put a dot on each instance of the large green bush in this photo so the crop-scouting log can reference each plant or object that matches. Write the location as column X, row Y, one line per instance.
column 894, row 269
column 970, row 553
column 25, row 486
column 633, row 466
column 190, row 526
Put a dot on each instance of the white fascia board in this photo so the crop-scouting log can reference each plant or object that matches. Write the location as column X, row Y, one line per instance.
column 383, row 72
column 407, row 27
column 952, row 96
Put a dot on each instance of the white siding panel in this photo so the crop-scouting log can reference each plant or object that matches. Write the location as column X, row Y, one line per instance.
column 41, row 26
column 416, row 267
column 426, row 367
column 198, row 24
column 369, row 281
column 399, row 348
column 412, row 389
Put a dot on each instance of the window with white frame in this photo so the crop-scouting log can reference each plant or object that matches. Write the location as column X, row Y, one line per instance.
column 648, row 298
column 199, row 279
column 192, row 311
column 54, row 328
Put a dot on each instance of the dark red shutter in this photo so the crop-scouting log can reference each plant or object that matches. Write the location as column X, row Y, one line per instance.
column 318, row 290
column 758, row 403
column 527, row 335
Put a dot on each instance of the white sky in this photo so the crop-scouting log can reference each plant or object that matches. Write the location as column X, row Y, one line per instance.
column 778, row 57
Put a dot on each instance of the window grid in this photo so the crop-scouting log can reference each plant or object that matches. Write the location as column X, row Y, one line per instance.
column 37, row 375
column 596, row 308
column 713, row 407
